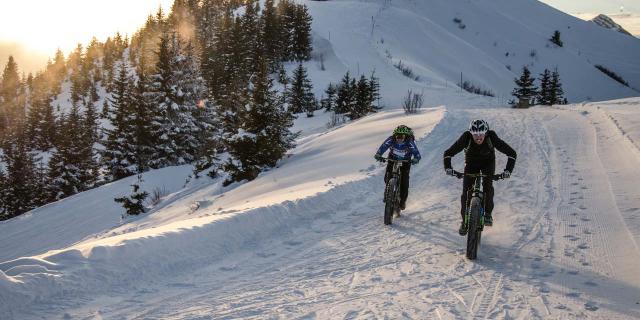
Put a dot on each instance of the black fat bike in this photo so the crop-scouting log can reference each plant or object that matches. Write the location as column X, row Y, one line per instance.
column 474, row 213
column 392, row 190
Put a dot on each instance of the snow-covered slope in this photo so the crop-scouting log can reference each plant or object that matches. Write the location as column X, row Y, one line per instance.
column 497, row 35
column 306, row 239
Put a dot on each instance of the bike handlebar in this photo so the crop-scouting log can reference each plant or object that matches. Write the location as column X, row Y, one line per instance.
column 394, row 160
column 494, row 177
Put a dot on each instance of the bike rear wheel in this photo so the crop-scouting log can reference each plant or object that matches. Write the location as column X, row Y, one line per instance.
column 474, row 232
column 389, row 201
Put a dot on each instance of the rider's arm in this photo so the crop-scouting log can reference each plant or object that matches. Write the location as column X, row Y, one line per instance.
column 385, row 145
column 414, row 150
column 458, row 146
column 505, row 148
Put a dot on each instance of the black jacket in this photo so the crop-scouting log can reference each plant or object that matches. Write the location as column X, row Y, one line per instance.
column 483, row 152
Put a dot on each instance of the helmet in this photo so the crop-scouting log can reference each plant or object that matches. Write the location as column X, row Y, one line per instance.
column 478, row 126
column 402, row 130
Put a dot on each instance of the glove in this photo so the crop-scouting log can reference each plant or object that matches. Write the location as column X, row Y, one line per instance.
column 449, row 171
column 378, row 157
column 415, row 161
column 506, row 174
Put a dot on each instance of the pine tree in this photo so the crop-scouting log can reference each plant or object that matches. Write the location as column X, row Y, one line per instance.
column 544, row 94
column 272, row 36
column 11, row 115
column 555, row 89
column 374, row 88
column 329, row 102
column 21, row 189
column 525, row 88
column 264, row 135
column 65, row 172
column 345, row 99
column 362, row 103
column 40, row 118
column 300, row 96
column 119, row 154
column 134, row 204
column 301, row 34
column 556, row 38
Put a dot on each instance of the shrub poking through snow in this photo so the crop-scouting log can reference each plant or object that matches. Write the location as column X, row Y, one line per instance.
column 134, row 204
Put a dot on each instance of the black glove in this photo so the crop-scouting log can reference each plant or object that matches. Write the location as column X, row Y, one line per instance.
column 449, row 171
column 505, row 174
column 378, row 157
column 415, row 161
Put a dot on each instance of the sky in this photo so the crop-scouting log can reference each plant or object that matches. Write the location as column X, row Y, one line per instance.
column 34, row 29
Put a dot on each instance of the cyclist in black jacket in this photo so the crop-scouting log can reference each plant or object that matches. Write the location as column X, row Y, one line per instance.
column 479, row 144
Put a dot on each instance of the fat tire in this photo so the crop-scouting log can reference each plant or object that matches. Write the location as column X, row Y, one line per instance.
column 389, row 200
column 474, row 229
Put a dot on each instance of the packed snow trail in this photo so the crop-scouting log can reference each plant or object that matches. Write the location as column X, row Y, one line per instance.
column 558, row 248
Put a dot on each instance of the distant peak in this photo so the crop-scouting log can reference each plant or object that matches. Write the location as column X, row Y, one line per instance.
column 607, row 22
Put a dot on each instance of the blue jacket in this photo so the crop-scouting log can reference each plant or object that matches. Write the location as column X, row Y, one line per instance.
column 400, row 151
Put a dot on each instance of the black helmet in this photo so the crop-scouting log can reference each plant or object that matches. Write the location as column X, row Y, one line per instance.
column 478, row 126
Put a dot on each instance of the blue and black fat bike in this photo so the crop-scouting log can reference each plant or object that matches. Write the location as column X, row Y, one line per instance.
column 474, row 215
column 392, row 190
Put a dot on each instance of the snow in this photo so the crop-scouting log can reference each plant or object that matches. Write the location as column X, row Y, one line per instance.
column 306, row 239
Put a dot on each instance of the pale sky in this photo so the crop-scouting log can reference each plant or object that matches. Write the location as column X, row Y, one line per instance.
column 595, row 6
column 36, row 28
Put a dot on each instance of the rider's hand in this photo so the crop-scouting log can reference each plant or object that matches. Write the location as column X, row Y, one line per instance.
column 378, row 157
column 506, row 174
column 449, row 171
column 415, row 161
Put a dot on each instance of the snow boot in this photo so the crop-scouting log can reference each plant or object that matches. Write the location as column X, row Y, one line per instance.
column 488, row 220
column 463, row 229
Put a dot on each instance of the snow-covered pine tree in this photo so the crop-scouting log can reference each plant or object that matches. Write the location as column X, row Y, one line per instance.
column 287, row 12
column 21, row 188
column 329, row 102
column 40, row 118
column 543, row 94
column 555, row 89
column 374, row 91
column 119, row 155
column 11, row 113
column 272, row 36
column 251, row 34
column 134, row 204
column 264, row 136
column 556, row 38
column 300, row 96
column 362, row 104
column 345, row 99
column 301, row 33
column 66, row 164
column 525, row 88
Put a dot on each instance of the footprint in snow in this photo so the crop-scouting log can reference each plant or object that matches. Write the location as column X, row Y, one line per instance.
column 583, row 246
column 229, row 268
column 591, row 306
column 293, row 243
column 585, row 219
column 591, row 283
column 265, row 254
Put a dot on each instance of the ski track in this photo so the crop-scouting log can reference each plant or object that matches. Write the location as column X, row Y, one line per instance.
column 554, row 251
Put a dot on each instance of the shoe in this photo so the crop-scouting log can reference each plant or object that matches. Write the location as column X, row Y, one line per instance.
column 488, row 220
column 463, row 229
column 402, row 206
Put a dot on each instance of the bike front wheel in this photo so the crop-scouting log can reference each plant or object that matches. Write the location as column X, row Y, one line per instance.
column 389, row 201
column 474, row 232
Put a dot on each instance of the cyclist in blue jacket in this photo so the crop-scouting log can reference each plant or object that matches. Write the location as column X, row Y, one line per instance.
column 401, row 146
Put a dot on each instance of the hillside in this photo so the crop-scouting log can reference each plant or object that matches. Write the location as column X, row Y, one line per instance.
column 306, row 239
